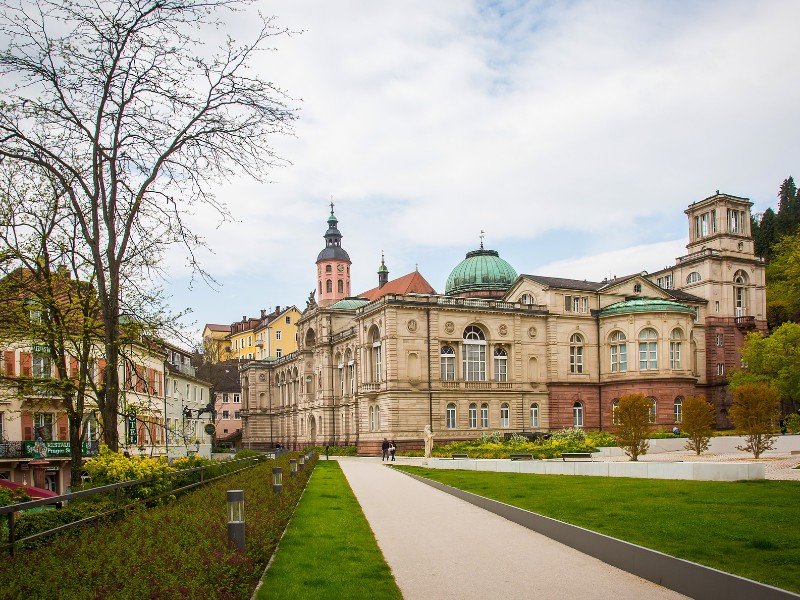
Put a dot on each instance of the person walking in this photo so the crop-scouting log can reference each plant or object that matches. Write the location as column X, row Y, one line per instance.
column 392, row 450
column 385, row 450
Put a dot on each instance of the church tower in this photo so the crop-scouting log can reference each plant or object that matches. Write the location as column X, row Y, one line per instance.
column 333, row 266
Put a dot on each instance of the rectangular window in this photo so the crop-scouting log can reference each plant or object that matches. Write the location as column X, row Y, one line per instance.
column 474, row 362
column 277, row 335
column 674, row 355
column 619, row 358
column 226, row 414
column 716, row 305
column 484, row 415
column 288, row 320
column 473, row 416
column 448, row 368
column 568, row 303
column 720, row 339
column 2, row 425
column 648, row 356
column 720, row 368
column 504, row 416
column 236, row 398
column 41, row 365
column 237, row 414
column 224, row 397
column 278, row 352
column 43, row 426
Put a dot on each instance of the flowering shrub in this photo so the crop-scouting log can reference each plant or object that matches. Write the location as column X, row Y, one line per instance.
column 114, row 467
column 572, row 434
column 175, row 550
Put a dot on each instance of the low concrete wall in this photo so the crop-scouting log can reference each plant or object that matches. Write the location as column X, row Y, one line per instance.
column 717, row 445
column 696, row 471
column 683, row 576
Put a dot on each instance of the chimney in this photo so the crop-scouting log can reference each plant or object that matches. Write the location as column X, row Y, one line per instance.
column 263, row 312
column 278, row 309
column 244, row 318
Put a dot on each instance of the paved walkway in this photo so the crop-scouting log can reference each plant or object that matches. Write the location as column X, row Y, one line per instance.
column 440, row 547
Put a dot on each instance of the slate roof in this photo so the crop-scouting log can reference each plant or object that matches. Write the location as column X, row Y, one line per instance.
column 224, row 376
column 568, row 284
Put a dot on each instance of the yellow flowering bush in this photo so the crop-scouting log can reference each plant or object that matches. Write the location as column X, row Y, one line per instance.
column 114, row 467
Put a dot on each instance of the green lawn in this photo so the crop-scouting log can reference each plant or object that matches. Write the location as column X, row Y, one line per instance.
column 329, row 550
column 750, row 528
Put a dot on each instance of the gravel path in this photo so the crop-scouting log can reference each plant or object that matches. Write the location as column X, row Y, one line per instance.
column 440, row 547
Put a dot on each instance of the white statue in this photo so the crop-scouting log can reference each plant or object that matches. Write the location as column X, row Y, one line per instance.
column 427, row 435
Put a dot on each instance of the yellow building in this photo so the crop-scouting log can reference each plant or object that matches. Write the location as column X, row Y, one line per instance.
column 276, row 336
column 242, row 338
column 270, row 334
column 215, row 342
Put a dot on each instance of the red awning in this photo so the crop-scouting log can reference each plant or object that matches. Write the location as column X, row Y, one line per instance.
column 34, row 492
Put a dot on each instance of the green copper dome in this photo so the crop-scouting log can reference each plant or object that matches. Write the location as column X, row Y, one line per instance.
column 481, row 271
column 644, row 305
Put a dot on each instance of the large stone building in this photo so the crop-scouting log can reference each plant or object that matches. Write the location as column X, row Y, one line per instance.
column 508, row 352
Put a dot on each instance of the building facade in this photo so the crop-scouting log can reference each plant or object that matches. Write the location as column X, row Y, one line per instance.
column 505, row 352
column 186, row 406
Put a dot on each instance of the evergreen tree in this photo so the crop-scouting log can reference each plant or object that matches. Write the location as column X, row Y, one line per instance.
column 764, row 233
column 788, row 216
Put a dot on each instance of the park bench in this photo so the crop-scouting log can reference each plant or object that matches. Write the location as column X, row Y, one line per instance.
column 576, row 455
column 459, row 455
column 521, row 457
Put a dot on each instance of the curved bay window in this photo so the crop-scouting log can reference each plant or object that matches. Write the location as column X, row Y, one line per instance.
column 534, row 415
column 504, row 415
column 648, row 349
column 484, row 415
column 675, row 341
column 447, row 358
column 577, row 415
column 576, row 353
column 473, row 416
column 619, row 352
column 474, row 354
column 451, row 415
column 500, row 365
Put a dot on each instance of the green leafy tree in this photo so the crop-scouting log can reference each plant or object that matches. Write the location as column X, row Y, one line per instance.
column 783, row 280
column 773, row 359
column 632, row 417
column 755, row 413
column 763, row 230
column 697, row 423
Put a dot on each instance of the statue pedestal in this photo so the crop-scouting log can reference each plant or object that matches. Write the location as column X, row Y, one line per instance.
column 39, row 466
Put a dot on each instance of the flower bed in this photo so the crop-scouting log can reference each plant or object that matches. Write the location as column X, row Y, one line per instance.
column 175, row 550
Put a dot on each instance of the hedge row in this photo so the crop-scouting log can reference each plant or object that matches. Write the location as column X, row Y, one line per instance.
column 175, row 550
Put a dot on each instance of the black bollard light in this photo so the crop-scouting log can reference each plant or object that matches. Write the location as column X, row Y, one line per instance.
column 293, row 466
column 277, row 479
column 236, row 519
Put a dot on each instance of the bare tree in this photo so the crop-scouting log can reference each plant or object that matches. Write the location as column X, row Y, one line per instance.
column 126, row 108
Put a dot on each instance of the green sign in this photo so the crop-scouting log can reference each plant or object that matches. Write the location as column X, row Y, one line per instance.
column 133, row 433
column 54, row 448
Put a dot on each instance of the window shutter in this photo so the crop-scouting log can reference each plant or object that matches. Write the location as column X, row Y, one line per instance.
column 10, row 363
column 73, row 367
column 568, row 303
column 63, row 427
column 101, row 371
column 27, row 425
column 25, row 362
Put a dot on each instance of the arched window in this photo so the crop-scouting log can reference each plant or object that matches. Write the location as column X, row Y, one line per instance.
column 484, row 415
column 329, row 286
column 448, row 363
column 340, row 286
column 740, row 292
column 534, row 415
column 351, row 372
column 526, row 299
column 619, row 352
column 653, row 411
column 473, row 416
column 451, row 415
column 377, row 354
column 328, row 268
column 614, row 407
column 504, row 415
column 577, row 415
column 675, row 341
column 637, row 288
column 474, row 354
column 648, row 349
column 340, row 374
column 372, row 418
column 677, row 409
column 576, row 353
column 500, row 365
column 693, row 277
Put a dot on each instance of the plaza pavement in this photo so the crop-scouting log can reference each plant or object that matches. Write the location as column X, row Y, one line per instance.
column 440, row 547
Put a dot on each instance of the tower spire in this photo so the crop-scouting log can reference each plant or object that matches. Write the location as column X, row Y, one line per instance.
column 481, row 236
column 383, row 273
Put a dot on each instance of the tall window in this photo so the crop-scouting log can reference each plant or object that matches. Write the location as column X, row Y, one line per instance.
column 648, row 349
column 451, row 416
column 473, row 415
column 576, row 353
column 277, row 335
column 474, row 354
column 340, row 286
column 677, row 409
column 500, row 365
column 504, row 415
column 372, row 418
column 619, row 352
column 41, row 365
column 577, row 304
column 675, row 341
column 348, row 360
column 448, row 362
column 526, row 299
column 577, row 415
column 614, row 407
column 341, row 375
column 653, row 411
column 740, row 292
column 377, row 355
column 329, row 286
column 484, row 415
column 534, row 415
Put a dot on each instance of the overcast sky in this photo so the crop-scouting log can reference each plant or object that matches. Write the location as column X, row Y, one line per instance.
column 574, row 133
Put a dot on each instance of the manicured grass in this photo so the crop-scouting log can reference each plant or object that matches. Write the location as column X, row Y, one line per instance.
column 750, row 528
column 329, row 550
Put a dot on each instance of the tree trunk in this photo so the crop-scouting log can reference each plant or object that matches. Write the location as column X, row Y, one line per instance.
column 75, row 454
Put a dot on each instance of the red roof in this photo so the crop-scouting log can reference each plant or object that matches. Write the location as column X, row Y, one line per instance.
column 33, row 492
column 413, row 283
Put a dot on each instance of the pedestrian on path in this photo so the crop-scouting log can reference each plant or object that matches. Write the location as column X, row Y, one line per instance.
column 392, row 450
column 385, row 450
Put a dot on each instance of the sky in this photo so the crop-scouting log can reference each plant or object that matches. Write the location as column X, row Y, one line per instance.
column 574, row 134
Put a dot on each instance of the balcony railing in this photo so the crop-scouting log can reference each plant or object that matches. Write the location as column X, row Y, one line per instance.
column 746, row 322
column 370, row 387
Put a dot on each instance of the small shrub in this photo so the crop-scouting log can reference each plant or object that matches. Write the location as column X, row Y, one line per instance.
column 698, row 419
column 494, row 437
column 247, row 454
column 572, row 434
column 633, row 424
column 792, row 423
column 755, row 413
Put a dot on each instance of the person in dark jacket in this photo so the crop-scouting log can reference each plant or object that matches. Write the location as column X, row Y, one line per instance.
column 385, row 449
